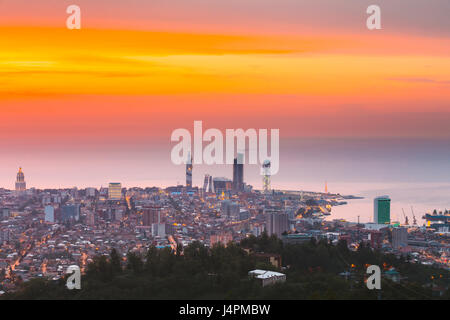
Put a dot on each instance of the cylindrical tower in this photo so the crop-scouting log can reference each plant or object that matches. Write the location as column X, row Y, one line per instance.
column 266, row 176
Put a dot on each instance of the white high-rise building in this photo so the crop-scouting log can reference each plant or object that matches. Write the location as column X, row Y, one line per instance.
column 49, row 214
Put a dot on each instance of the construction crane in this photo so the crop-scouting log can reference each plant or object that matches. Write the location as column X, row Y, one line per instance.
column 406, row 218
column 414, row 217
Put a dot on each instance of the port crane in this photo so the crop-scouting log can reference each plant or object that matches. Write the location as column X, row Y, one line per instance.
column 405, row 217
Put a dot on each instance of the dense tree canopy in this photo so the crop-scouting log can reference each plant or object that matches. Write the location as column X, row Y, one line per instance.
column 196, row 272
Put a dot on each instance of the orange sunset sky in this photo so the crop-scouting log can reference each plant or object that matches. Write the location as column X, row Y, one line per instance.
column 139, row 69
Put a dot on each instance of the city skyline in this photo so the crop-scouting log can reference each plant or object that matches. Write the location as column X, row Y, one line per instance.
column 226, row 149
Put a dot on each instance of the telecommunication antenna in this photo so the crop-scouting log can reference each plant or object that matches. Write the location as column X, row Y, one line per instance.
column 266, row 176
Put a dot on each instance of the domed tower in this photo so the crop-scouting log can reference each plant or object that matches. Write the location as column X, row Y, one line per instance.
column 21, row 185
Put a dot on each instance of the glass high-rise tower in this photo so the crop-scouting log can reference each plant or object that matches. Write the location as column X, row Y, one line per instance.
column 382, row 210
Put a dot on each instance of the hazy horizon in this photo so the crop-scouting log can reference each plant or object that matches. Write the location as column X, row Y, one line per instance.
column 353, row 106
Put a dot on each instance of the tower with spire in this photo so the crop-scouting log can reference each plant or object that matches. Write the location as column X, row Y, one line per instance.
column 21, row 185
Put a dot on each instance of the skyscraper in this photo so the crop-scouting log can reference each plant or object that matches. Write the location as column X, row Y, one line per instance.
column 238, row 173
column 115, row 191
column 189, row 172
column 277, row 222
column 21, row 185
column 382, row 210
column 205, row 182
column 399, row 237
column 211, row 185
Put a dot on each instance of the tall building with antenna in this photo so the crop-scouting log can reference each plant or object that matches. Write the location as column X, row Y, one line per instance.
column 189, row 171
column 21, row 185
